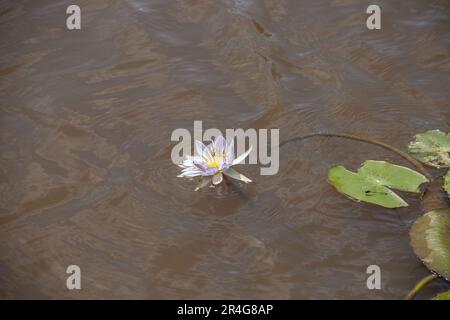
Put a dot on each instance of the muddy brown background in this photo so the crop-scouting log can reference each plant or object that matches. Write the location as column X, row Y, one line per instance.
column 86, row 118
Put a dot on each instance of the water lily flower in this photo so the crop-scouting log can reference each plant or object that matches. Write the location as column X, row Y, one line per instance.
column 212, row 162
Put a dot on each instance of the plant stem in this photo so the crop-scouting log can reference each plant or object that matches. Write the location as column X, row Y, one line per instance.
column 422, row 283
column 401, row 153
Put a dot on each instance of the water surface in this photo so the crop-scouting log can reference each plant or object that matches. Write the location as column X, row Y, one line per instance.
column 86, row 118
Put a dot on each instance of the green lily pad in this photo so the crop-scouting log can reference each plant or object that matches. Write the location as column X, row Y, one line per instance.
column 447, row 182
column 372, row 181
column 430, row 240
column 432, row 148
column 443, row 296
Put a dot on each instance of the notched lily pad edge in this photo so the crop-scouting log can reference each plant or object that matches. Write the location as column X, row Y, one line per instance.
column 342, row 179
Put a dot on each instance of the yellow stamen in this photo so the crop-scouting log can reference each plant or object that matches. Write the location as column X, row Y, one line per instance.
column 214, row 164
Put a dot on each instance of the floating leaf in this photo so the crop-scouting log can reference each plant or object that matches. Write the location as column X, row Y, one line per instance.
column 370, row 183
column 443, row 296
column 430, row 240
column 447, row 182
column 432, row 148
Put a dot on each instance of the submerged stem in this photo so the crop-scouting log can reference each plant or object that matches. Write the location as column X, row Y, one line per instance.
column 422, row 283
column 401, row 153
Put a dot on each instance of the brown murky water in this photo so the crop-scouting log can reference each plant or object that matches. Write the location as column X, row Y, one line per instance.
column 86, row 119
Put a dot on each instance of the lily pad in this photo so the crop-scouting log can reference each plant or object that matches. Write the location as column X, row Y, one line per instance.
column 447, row 182
column 372, row 181
column 432, row 148
column 430, row 240
column 443, row 296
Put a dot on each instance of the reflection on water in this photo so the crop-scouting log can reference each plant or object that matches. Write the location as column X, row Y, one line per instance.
column 86, row 119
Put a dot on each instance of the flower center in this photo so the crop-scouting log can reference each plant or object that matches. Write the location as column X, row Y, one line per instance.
column 214, row 164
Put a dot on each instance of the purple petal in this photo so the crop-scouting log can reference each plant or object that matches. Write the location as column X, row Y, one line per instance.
column 207, row 152
column 220, row 144
column 224, row 166
column 199, row 147
column 200, row 166
column 230, row 152
column 210, row 171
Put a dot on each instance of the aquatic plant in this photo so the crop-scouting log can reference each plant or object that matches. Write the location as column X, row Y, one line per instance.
column 430, row 240
column 443, row 296
column 372, row 181
column 430, row 233
column 432, row 148
column 212, row 162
